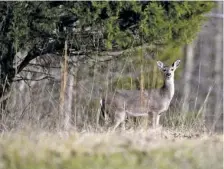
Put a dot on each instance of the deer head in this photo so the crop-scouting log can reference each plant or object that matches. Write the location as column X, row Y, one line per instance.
column 168, row 71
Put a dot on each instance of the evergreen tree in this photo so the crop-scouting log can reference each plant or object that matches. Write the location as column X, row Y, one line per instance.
column 91, row 27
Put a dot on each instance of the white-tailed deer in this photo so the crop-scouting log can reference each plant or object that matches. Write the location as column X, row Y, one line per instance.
column 135, row 103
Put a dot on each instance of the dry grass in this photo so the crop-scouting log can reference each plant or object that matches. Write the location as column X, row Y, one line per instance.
column 161, row 148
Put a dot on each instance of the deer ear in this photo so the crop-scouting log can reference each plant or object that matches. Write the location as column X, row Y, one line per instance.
column 176, row 64
column 160, row 65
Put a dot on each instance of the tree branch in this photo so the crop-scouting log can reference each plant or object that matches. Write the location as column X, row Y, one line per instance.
column 39, row 79
column 35, row 52
column 32, row 54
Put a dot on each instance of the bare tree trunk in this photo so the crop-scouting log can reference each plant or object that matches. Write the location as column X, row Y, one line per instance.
column 142, row 87
column 69, row 100
column 154, row 76
column 142, row 84
column 218, row 71
column 64, row 74
column 7, row 72
column 188, row 69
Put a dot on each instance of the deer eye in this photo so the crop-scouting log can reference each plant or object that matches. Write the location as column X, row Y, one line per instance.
column 164, row 70
column 172, row 69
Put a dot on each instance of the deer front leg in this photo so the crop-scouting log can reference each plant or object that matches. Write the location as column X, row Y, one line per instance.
column 116, row 125
column 157, row 120
column 120, row 119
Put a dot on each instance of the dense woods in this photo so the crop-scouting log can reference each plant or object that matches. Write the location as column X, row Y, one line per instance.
column 58, row 58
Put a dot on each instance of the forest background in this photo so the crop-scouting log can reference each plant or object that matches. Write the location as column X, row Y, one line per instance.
column 58, row 58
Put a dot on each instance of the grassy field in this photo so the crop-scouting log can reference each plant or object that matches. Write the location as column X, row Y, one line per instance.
column 147, row 149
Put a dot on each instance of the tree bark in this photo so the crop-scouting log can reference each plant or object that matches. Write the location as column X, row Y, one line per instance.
column 63, row 115
column 217, row 123
column 188, row 69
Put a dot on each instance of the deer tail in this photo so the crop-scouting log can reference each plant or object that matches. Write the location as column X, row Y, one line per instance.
column 102, row 106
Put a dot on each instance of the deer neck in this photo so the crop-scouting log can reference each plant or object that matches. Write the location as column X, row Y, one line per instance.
column 168, row 88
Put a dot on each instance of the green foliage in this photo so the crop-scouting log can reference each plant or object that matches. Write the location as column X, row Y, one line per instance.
column 33, row 22
column 122, row 24
column 153, row 22
column 94, row 27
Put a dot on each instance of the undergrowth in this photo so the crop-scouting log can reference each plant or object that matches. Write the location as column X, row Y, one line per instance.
column 130, row 149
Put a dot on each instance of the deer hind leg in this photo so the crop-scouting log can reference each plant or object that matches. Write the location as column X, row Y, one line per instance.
column 123, row 125
column 98, row 118
column 119, row 119
column 154, row 120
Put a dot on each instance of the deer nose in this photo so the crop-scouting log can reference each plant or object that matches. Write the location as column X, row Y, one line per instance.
column 168, row 74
